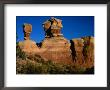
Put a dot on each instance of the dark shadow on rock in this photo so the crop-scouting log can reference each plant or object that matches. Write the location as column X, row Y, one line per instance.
column 72, row 47
column 39, row 44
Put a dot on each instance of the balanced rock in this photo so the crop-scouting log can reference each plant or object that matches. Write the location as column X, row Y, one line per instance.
column 52, row 27
column 55, row 47
column 27, row 29
column 28, row 45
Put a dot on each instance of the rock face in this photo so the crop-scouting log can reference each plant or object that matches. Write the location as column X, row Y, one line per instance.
column 57, row 49
column 83, row 51
column 88, row 51
column 77, row 48
column 28, row 46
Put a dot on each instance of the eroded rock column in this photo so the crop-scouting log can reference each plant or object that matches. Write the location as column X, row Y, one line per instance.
column 28, row 45
column 27, row 29
column 55, row 46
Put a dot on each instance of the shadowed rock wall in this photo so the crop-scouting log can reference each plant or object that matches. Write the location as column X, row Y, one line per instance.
column 83, row 51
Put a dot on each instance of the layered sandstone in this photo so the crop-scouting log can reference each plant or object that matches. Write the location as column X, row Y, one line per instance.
column 57, row 49
column 54, row 47
column 83, row 51
column 28, row 46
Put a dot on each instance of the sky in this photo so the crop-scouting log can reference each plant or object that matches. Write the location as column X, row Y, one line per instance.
column 73, row 26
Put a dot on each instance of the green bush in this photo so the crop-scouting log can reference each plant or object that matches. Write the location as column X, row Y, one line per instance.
column 46, row 68
column 35, row 64
column 20, row 53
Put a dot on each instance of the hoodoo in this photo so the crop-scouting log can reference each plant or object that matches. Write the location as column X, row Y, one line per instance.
column 57, row 48
column 28, row 46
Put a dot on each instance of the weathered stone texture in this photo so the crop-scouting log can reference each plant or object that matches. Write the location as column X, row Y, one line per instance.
column 28, row 46
column 27, row 29
column 52, row 27
column 57, row 49
column 83, row 51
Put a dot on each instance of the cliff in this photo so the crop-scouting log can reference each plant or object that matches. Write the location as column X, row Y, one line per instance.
column 56, row 49
column 79, row 51
column 83, row 51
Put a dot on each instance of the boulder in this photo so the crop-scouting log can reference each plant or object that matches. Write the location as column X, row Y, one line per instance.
column 52, row 27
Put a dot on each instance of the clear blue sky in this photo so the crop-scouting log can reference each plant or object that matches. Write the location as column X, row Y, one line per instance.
column 73, row 26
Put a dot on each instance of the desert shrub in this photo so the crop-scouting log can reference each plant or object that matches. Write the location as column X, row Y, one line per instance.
column 20, row 53
column 79, row 69
column 35, row 64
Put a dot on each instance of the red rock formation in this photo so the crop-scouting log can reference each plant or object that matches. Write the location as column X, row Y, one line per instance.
column 88, row 51
column 56, row 49
column 27, row 29
column 52, row 27
column 83, row 51
column 77, row 50
column 28, row 45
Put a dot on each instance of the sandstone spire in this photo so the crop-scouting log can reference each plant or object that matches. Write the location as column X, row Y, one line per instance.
column 27, row 29
column 55, row 47
column 52, row 27
column 28, row 45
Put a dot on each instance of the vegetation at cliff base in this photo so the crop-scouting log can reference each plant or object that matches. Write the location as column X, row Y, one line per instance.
column 35, row 64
